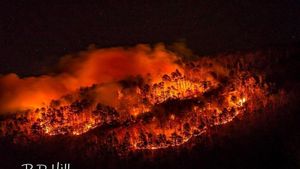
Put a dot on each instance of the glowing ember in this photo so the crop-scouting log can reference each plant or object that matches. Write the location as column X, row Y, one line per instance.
column 151, row 113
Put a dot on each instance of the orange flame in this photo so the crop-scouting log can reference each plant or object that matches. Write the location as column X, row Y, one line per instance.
column 147, row 100
column 91, row 67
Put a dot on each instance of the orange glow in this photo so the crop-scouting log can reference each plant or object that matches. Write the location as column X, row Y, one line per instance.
column 145, row 98
column 92, row 67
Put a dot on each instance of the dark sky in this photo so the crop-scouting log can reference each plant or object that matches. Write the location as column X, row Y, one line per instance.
column 35, row 35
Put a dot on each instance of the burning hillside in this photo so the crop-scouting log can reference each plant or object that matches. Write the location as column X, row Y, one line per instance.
column 162, row 104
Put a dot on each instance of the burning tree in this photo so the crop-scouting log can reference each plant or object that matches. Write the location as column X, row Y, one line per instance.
column 149, row 112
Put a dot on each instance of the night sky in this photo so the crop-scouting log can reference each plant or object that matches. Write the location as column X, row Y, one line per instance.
column 34, row 35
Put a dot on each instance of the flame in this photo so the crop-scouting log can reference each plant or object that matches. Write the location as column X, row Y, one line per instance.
column 148, row 101
column 90, row 67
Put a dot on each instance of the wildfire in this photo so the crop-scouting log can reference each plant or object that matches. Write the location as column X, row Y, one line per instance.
column 150, row 113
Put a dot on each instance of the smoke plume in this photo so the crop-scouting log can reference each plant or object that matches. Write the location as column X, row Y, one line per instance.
column 85, row 69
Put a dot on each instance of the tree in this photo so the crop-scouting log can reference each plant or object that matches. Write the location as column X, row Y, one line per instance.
column 186, row 129
column 142, row 142
column 125, row 146
column 176, row 139
column 162, row 140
